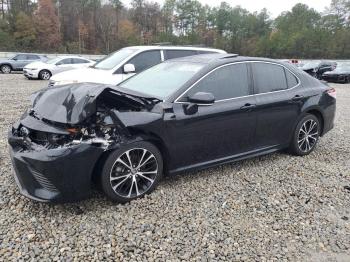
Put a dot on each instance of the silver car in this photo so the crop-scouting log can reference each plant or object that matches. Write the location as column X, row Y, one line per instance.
column 44, row 70
column 18, row 62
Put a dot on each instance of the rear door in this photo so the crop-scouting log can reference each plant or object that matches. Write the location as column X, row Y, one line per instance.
column 64, row 64
column 19, row 61
column 223, row 129
column 32, row 58
column 278, row 103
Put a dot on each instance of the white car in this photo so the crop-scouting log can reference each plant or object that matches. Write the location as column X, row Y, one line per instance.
column 124, row 63
column 44, row 70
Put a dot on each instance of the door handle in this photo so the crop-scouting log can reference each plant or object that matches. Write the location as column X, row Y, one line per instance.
column 297, row 98
column 248, row 106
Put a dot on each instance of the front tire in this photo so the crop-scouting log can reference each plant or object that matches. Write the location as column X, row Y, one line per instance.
column 44, row 75
column 5, row 69
column 306, row 135
column 132, row 172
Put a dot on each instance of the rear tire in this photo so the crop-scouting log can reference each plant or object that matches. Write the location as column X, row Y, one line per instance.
column 131, row 172
column 44, row 75
column 5, row 69
column 306, row 135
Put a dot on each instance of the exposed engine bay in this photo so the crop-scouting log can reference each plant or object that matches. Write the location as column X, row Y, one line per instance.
column 82, row 114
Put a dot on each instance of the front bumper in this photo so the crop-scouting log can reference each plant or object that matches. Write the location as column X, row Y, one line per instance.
column 53, row 175
column 31, row 73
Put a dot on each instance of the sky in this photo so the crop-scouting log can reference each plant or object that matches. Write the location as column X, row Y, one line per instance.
column 275, row 7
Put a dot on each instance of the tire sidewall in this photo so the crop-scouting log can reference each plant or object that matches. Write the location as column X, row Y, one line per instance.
column 114, row 155
column 3, row 66
column 294, row 145
column 41, row 72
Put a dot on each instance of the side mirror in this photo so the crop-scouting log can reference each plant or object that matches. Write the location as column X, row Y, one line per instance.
column 14, row 59
column 129, row 68
column 202, row 98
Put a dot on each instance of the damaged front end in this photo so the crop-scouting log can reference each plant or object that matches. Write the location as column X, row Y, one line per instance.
column 57, row 143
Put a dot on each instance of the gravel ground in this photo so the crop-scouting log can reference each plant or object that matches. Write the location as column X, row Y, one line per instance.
column 271, row 208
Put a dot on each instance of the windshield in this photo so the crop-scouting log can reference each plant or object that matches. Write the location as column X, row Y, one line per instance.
column 162, row 80
column 53, row 60
column 111, row 61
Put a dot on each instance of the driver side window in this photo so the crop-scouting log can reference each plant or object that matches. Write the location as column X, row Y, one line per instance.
column 145, row 60
column 224, row 83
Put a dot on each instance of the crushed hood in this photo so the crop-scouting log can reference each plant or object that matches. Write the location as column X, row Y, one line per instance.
column 74, row 103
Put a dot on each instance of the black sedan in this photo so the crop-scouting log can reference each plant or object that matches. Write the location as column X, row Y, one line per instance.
column 184, row 114
column 340, row 75
column 317, row 68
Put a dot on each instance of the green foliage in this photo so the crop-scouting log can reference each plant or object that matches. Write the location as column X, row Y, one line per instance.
column 25, row 34
column 98, row 26
column 6, row 40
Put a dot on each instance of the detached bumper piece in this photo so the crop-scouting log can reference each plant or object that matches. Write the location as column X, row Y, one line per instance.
column 61, row 174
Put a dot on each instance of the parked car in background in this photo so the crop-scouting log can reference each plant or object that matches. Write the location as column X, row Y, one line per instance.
column 317, row 68
column 184, row 114
column 340, row 75
column 124, row 63
column 19, row 61
column 44, row 70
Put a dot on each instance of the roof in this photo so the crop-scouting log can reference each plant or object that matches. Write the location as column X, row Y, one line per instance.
column 29, row 54
column 220, row 59
column 71, row 56
column 165, row 47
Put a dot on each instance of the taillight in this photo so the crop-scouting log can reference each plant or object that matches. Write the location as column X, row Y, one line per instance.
column 332, row 92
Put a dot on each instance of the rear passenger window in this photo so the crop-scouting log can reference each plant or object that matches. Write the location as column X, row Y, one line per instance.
column 171, row 54
column 79, row 61
column 145, row 60
column 292, row 81
column 224, row 83
column 32, row 57
column 268, row 77
column 65, row 61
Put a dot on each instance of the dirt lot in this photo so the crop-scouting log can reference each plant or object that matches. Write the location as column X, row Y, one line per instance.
column 277, row 207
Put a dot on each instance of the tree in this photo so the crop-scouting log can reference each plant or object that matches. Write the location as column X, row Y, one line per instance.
column 6, row 40
column 47, row 25
column 25, row 34
column 107, row 26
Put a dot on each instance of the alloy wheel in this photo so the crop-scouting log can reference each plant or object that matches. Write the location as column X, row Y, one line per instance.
column 308, row 136
column 133, row 173
column 6, row 69
column 45, row 75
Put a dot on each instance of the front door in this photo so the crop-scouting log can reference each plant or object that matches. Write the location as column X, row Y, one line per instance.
column 217, row 131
